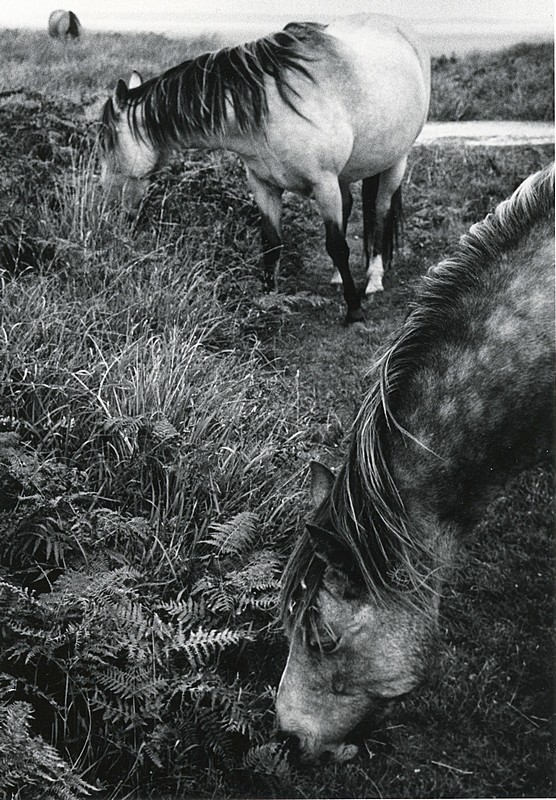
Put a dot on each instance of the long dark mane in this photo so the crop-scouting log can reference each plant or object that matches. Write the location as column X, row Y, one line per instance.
column 364, row 510
column 195, row 96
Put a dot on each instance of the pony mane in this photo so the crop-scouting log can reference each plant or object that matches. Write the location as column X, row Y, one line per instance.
column 364, row 511
column 195, row 96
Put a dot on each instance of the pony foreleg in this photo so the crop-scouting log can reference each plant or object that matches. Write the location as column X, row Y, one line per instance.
column 269, row 200
column 328, row 195
column 347, row 205
column 272, row 249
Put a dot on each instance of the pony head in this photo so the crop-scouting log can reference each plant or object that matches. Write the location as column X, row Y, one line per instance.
column 128, row 158
column 351, row 651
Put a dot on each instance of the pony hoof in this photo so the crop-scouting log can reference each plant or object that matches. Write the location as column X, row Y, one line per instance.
column 354, row 315
column 373, row 288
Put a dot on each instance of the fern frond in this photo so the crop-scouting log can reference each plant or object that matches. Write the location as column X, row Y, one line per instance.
column 219, row 600
column 227, row 698
column 100, row 584
column 262, row 571
column 268, row 759
column 185, row 611
column 234, row 537
column 214, row 736
column 202, row 647
column 29, row 765
column 266, row 602
column 256, row 586
column 131, row 683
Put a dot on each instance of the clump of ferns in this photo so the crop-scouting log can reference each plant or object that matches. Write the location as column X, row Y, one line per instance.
column 129, row 678
column 241, row 581
column 237, row 593
column 122, row 669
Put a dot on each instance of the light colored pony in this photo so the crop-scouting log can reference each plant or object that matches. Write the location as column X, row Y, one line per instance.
column 309, row 109
column 463, row 400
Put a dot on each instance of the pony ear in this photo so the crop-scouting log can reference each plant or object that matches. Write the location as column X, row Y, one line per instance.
column 327, row 548
column 322, row 480
column 135, row 80
column 120, row 96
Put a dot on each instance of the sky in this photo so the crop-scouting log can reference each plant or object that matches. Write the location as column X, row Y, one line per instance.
column 181, row 16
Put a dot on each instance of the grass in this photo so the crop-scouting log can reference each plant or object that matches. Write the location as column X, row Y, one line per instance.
column 157, row 415
column 514, row 83
column 80, row 70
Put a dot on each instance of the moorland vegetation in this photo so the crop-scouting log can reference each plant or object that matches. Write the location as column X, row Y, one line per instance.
column 157, row 416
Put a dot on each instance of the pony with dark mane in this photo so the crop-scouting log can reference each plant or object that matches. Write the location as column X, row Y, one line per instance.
column 309, row 109
column 460, row 402
column 64, row 25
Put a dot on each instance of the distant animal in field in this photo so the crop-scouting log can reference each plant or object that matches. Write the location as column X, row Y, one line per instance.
column 460, row 402
column 309, row 109
column 64, row 25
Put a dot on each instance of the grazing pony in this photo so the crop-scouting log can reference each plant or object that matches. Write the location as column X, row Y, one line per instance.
column 310, row 109
column 64, row 25
column 461, row 402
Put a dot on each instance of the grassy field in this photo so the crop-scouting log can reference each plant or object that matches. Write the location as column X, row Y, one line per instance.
column 509, row 84
column 157, row 415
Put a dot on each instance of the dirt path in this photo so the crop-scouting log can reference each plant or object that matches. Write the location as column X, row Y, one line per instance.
column 489, row 133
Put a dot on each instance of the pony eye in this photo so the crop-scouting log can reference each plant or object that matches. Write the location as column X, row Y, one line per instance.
column 318, row 644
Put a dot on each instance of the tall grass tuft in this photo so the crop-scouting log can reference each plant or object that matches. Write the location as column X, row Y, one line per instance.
column 141, row 435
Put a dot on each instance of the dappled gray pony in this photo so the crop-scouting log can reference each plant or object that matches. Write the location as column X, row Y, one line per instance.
column 64, row 25
column 461, row 402
column 310, row 109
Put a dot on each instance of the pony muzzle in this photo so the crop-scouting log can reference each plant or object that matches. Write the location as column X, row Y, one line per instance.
column 307, row 749
column 340, row 752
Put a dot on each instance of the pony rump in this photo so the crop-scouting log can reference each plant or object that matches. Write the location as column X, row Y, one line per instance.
column 195, row 97
column 364, row 511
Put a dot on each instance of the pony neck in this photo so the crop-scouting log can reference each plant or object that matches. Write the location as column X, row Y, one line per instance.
column 476, row 410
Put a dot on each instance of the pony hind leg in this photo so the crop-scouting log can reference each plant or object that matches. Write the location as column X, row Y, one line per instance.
column 328, row 196
column 347, row 205
column 382, row 219
column 269, row 201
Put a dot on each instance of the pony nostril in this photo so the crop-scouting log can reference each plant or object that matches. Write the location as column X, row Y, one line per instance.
column 291, row 743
